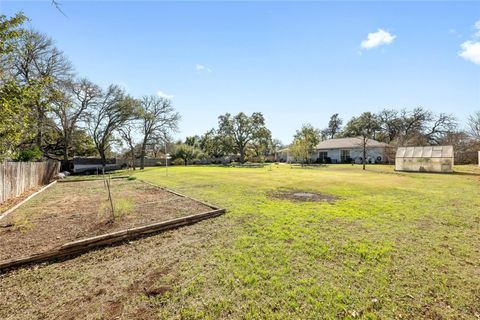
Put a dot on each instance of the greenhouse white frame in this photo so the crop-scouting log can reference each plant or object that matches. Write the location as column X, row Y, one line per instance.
column 425, row 159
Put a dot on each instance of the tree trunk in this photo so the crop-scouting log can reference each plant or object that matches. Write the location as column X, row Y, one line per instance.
column 242, row 155
column 142, row 156
column 39, row 137
column 104, row 159
column 185, row 161
column 65, row 156
column 364, row 152
column 132, row 158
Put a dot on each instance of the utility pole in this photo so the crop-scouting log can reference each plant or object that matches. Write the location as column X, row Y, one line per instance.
column 166, row 159
column 165, row 140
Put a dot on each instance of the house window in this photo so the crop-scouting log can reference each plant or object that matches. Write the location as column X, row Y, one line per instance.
column 345, row 156
column 322, row 156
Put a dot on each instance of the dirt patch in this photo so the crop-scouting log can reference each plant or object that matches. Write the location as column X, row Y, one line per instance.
column 72, row 211
column 4, row 206
column 302, row 196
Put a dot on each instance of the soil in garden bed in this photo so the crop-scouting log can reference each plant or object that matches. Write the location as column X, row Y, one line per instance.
column 10, row 203
column 72, row 211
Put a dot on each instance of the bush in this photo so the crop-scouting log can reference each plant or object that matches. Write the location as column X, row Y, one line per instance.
column 159, row 163
column 132, row 178
column 32, row 154
column 177, row 162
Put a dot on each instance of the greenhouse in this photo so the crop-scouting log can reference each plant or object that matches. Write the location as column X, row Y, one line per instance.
column 425, row 159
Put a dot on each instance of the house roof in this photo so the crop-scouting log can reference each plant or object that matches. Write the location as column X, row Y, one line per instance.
column 425, row 152
column 346, row 143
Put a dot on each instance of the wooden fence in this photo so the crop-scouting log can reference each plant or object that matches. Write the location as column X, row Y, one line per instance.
column 18, row 177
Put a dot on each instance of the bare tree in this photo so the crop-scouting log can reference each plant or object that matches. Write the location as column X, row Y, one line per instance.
column 418, row 126
column 71, row 107
column 474, row 125
column 412, row 123
column 440, row 126
column 157, row 118
column 390, row 125
column 57, row 6
column 112, row 111
column 156, row 146
column 127, row 133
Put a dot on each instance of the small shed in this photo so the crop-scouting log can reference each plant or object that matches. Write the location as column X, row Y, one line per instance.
column 425, row 159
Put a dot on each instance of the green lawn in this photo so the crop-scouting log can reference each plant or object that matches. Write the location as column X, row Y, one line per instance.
column 393, row 246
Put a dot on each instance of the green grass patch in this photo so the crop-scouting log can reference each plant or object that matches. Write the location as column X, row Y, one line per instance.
column 391, row 246
column 382, row 242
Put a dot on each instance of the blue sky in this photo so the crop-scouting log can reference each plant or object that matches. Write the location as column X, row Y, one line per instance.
column 296, row 62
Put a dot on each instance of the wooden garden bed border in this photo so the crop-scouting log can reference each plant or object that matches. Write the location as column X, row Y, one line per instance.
column 6, row 213
column 84, row 245
column 66, row 180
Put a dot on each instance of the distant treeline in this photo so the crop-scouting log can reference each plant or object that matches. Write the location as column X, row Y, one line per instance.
column 47, row 111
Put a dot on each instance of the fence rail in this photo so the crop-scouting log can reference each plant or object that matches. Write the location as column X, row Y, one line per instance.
column 18, row 177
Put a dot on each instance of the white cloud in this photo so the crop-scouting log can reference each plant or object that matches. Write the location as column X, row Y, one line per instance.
column 477, row 28
column 164, row 95
column 470, row 51
column 376, row 39
column 201, row 67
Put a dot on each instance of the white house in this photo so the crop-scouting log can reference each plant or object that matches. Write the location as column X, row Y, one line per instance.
column 283, row 155
column 342, row 150
column 347, row 150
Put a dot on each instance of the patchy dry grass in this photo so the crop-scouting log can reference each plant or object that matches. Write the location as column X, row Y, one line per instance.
column 75, row 210
column 392, row 246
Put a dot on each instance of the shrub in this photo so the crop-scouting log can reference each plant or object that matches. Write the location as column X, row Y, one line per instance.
column 177, row 162
column 32, row 154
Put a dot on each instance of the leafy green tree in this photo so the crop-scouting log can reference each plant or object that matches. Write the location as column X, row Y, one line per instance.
column 215, row 145
column 10, row 30
column 300, row 151
column 304, row 143
column 36, row 61
column 15, row 116
column 241, row 129
column 262, row 145
column 31, row 154
column 82, row 144
column 186, row 152
column 365, row 126
column 334, row 127
column 193, row 141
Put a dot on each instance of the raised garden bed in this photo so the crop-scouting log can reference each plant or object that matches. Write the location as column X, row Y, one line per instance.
column 72, row 217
